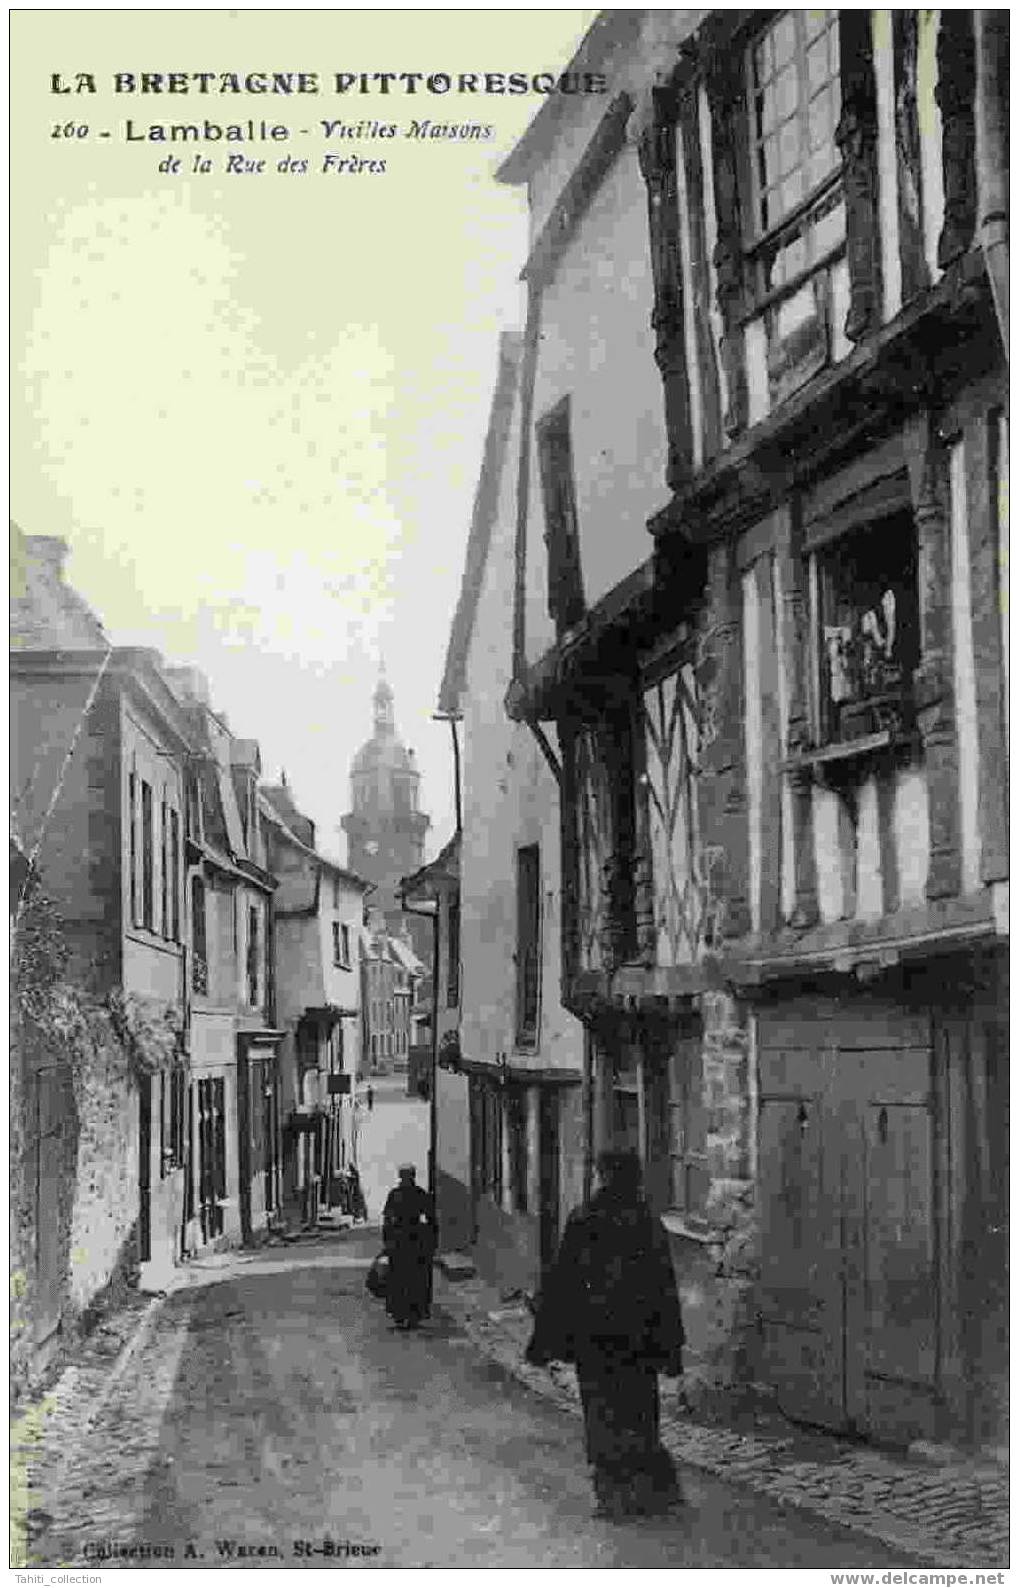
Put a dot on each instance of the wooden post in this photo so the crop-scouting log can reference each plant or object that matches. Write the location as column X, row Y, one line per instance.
column 933, row 686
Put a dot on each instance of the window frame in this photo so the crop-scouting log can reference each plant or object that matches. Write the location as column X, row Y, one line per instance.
column 528, row 946
column 817, row 342
column 885, row 506
column 251, row 958
column 686, row 1129
column 199, row 936
column 148, row 893
column 558, row 483
column 453, row 931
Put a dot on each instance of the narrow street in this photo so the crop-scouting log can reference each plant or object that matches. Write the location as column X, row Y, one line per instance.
column 395, row 1131
column 274, row 1418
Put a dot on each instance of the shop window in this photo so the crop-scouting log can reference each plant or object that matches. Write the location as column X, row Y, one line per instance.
column 868, row 629
column 562, row 536
column 528, row 955
column 797, row 235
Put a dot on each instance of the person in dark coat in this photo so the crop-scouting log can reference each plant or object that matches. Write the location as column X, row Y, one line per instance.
column 409, row 1239
column 609, row 1305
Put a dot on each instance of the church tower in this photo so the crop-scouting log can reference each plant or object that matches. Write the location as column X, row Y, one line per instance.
column 384, row 827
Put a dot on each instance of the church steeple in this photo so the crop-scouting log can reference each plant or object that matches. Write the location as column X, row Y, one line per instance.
column 382, row 702
column 385, row 827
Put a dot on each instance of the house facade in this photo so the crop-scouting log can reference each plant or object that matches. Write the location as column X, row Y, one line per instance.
column 99, row 752
column 318, row 908
column 777, row 720
column 391, row 976
column 232, row 1114
column 434, row 890
column 514, row 1077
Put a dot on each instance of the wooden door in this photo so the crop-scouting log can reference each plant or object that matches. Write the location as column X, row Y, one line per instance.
column 801, row 1303
column 211, row 1155
column 848, row 1302
column 890, row 1250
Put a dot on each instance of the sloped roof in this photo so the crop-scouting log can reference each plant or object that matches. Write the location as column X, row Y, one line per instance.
column 609, row 30
column 406, row 957
column 45, row 612
column 271, row 814
column 479, row 539
column 444, row 868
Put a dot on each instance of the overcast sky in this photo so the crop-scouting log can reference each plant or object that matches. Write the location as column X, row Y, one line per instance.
column 254, row 405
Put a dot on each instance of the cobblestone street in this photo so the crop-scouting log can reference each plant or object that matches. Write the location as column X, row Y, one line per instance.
column 270, row 1410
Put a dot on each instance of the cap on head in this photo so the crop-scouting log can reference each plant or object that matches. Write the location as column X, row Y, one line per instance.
column 407, row 1171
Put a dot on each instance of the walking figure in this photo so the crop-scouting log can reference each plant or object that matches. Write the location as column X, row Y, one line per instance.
column 609, row 1305
column 409, row 1240
column 371, row 1099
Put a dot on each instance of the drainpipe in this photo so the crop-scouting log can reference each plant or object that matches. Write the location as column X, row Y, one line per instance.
column 992, row 33
column 433, row 916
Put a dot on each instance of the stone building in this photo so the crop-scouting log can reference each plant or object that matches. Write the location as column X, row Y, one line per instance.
column 232, row 1112
column 317, row 913
column 99, row 747
column 434, row 890
column 509, row 1125
column 757, row 622
column 391, row 976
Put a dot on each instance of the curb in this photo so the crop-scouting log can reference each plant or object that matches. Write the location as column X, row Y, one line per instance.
column 743, row 1460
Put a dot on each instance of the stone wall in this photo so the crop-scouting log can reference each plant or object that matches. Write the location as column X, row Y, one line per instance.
column 73, row 1157
column 717, row 1275
column 105, row 1210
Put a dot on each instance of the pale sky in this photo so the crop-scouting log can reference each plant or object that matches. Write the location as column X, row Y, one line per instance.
column 254, row 405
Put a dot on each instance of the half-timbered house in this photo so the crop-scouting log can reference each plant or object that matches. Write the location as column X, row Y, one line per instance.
column 767, row 322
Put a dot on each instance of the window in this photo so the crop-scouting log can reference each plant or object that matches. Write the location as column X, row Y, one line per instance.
column 486, row 1133
column 528, row 956
column 175, row 876
column 797, row 240
column 453, row 955
column 562, row 536
column 132, row 858
column 199, row 960
column 172, row 1120
column 687, row 1150
column 252, row 963
column 868, row 629
column 336, row 893
column 164, row 869
column 337, row 954
column 345, row 944
column 516, row 1124
column 148, row 900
